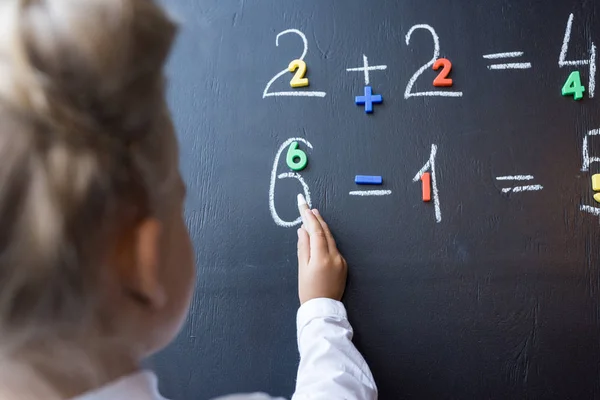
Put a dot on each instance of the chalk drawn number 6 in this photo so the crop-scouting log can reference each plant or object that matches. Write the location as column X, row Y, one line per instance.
column 294, row 175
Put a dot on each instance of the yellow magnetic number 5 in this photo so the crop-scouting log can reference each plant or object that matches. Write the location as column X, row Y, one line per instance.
column 298, row 80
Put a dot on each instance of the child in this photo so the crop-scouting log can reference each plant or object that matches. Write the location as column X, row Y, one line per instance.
column 96, row 266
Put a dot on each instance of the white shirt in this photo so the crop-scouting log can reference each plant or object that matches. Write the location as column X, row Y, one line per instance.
column 330, row 366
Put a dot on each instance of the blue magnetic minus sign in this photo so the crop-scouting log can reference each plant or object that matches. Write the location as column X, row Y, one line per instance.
column 368, row 180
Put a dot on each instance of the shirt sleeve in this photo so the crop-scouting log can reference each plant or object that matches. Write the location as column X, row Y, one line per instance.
column 331, row 368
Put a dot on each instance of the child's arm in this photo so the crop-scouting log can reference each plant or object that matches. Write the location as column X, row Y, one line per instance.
column 330, row 366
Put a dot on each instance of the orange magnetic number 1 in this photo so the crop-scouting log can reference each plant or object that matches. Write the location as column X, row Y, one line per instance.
column 426, row 183
column 442, row 79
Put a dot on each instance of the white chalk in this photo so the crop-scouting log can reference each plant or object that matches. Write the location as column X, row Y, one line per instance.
column 274, row 177
column 587, row 160
column 366, row 68
column 509, row 66
column 370, row 193
column 515, row 178
column 592, row 85
column 592, row 210
column 301, row 200
column 562, row 59
column 510, row 54
column 563, row 62
column 266, row 92
column 430, row 166
column 436, row 54
column 518, row 189
column 293, row 94
column 435, row 94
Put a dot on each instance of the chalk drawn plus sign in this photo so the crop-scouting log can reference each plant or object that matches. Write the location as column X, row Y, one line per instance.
column 369, row 99
column 365, row 68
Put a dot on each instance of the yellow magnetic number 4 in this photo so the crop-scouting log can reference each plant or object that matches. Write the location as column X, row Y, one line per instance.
column 298, row 80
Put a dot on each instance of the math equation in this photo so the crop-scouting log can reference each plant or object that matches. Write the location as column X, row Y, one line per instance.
column 296, row 151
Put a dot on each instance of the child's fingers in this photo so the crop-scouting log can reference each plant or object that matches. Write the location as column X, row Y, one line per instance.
column 303, row 248
column 328, row 235
column 318, row 241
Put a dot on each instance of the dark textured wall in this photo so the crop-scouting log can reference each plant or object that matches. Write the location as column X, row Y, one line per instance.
column 498, row 300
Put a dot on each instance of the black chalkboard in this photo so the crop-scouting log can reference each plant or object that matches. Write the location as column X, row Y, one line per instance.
column 497, row 300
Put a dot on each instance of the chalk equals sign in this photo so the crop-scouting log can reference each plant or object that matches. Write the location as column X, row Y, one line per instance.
column 519, row 178
column 513, row 65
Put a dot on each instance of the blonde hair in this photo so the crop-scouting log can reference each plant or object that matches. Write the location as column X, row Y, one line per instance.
column 82, row 120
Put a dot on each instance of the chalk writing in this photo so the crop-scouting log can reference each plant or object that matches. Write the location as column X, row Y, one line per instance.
column 294, row 175
column 365, row 193
column 591, row 210
column 563, row 62
column 515, row 178
column 430, row 167
column 504, row 66
column 587, row 160
column 266, row 93
column 366, row 68
column 519, row 189
column 436, row 54
column 527, row 188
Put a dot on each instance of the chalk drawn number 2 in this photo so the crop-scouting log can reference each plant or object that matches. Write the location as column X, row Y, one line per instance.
column 408, row 93
column 266, row 92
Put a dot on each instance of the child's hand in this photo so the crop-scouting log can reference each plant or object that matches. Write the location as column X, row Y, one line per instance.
column 322, row 270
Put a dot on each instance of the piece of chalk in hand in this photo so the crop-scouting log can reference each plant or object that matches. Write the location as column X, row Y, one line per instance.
column 301, row 200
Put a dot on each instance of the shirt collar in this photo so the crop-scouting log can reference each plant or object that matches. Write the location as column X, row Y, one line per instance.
column 140, row 386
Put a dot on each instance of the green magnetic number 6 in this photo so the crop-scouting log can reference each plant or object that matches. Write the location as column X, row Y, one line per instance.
column 296, row 158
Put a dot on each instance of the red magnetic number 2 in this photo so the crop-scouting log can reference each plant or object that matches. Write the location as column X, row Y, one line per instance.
column 442, row 79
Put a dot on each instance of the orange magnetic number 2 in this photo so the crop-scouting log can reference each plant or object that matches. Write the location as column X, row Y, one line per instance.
column 442, row 79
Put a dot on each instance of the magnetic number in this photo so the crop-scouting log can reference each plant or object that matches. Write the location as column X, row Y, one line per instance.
column 298, row 80
column 442, row 79
column 292, row 175
column 436, row 54
column 266, row 92
column 296, row 159
column 573, row 86
column 430, row 167
column 426, row 186
column 563, row 62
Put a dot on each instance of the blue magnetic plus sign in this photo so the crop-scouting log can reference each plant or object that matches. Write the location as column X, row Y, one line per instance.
column 368, row 99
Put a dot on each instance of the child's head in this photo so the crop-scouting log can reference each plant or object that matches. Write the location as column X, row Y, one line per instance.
column 94, row 251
